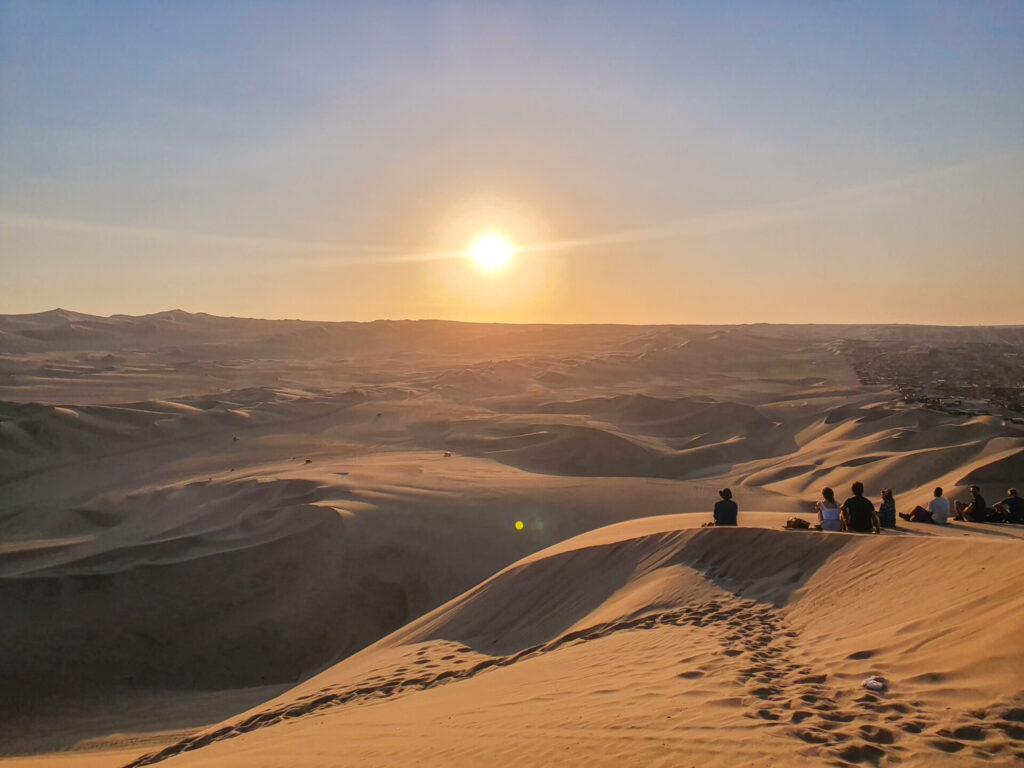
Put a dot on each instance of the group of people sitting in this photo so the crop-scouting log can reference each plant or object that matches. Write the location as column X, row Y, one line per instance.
column 1009, row 510
column 858, row 514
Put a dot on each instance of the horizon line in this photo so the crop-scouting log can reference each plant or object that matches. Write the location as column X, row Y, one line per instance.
column 117, row 315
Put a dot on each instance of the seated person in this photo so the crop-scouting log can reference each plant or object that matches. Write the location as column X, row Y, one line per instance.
column 858, row 513
column 726, row 509
column 937, row 511
column 828, row 511
column 976, row 511
column 887, row 509
column 1012, row 507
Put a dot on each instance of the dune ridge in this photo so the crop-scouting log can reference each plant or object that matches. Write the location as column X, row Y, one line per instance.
column 765, row 597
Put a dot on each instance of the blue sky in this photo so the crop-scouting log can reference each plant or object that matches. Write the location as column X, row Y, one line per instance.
column 659, row 162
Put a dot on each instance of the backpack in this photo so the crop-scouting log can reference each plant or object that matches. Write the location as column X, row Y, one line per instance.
column 797, row 522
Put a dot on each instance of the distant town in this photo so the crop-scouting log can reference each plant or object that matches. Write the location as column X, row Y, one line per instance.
column 973, row 378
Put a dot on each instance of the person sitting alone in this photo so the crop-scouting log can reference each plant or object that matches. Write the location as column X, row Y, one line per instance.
column 828, row 511
column 1012, row 507
column 887, row 509
column 976, row 511
column 726, row 510
column 937, row 511
column 858, row 513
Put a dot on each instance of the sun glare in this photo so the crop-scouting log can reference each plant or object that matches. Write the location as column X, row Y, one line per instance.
column 491, row 252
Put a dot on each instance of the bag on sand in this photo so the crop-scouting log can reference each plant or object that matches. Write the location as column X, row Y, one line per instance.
column 797, row 522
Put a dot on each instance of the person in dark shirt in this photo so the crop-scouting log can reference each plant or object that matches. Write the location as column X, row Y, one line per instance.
column 976, row 511
column 1012, row 507
column 726, row 509
column 858, row 513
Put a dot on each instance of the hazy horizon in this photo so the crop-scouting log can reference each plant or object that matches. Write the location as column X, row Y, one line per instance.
column 685, row 164
column 492, row 322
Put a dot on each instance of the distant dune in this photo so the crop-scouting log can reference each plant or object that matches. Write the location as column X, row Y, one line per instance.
column 307, row 533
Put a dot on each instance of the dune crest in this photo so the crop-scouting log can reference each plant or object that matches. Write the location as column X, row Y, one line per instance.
column 736, row 633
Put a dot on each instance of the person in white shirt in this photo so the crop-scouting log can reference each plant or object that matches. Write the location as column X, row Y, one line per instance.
column 937, row 512
column 828, row 511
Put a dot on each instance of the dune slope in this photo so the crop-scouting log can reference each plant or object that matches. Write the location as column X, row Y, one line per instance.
column 651, row 643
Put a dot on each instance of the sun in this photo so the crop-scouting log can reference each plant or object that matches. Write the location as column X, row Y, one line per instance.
column 491, row 252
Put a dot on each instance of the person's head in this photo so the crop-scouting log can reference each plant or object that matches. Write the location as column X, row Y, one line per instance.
column 828, row 494
column 725, row 493
column 887, row 494
column 857, row 488
column 975, row 490
column 937, row 491
column 1011, row 492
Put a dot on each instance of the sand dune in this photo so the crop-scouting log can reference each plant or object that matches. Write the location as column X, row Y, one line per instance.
column 199, row 514
column 651, row 643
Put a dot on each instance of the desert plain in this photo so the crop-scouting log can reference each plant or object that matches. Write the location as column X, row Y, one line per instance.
column 233, row 542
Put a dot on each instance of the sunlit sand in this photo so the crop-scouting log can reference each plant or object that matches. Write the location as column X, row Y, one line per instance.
column 373, row 558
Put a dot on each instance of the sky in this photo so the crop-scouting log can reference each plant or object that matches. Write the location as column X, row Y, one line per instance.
column 652, row 162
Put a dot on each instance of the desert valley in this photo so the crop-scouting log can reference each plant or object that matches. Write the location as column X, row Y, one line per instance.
column 233, row 542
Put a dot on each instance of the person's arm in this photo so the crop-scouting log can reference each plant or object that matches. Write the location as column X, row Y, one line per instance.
column 821, row 517
column 875, row 520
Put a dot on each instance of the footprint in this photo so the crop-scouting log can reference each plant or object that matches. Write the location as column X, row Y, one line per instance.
column 1016, row 714
column 808, row 679
column 861, row 753
column 876, row 734
column 1015, row 732
column 895, row 706
column 946, row 745
column 928, row 677
column 858, row 655
column 836, row 717
column 813, row 736
column 969, row 732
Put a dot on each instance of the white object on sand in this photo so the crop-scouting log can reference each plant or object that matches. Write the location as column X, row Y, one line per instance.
column 875, row 683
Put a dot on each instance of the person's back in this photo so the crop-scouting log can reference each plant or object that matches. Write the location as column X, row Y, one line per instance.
column 1014, row 506
column 859, row 511
column 828, row 514
column 726, row 512
column 887, row 510
column 939, row 510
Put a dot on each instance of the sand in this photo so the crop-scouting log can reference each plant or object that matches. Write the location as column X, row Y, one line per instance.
column 286, row 542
